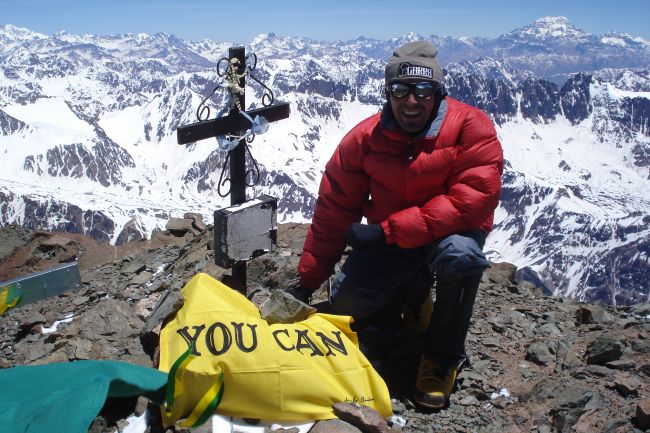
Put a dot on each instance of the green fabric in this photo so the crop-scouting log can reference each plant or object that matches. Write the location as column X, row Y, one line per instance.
column 66, row 397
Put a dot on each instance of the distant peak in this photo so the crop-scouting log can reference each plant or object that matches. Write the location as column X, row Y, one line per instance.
column 549, row 27
column 11, row 28
column 622, row 39
column 13, row 32
column 554, row 21
column 264, row 37
column 408, row 37
column 412, row 37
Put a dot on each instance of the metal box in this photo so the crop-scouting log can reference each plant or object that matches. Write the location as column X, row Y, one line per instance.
column 245, row 231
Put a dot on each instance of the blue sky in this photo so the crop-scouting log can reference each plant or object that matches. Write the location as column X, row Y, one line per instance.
column 240, row 21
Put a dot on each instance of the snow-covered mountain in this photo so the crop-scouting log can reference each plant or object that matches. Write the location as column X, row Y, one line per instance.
column 88, row 137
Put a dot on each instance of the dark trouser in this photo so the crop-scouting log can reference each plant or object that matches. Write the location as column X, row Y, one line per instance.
column 376, row 283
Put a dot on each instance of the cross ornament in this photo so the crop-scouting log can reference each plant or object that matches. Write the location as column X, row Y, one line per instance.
column 235, row 124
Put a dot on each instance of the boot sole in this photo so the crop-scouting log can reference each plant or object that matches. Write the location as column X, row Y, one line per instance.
column 420, row 400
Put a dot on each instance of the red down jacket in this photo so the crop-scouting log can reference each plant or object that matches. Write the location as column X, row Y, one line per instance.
column 419, row 189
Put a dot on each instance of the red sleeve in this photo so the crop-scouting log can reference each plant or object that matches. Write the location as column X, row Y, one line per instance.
column 473, row 189
column 344, row 189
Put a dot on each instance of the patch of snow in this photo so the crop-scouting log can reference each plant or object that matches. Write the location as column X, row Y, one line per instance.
column 397, row 420
column 55, row 325
column 503, row 392
column 226, row 424
column 136, row 424
column 619, row 94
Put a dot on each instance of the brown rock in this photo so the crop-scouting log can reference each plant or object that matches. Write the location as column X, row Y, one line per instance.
column 99, row 425
column 626, row 384
column 142, row 278
column 643, row 414
column 141, row 405
column 284, row 308
column 169, row 303
column 179, row 226
column 199, row 225
column 501, row 273
column 57, row 240
column 12, row 237
column 603, row 350
column 645, row 369
column 592, row 313
column 132, row 267
column 621, row 364
column 145, row 306
column 363, row 417
column 59, row 355
column 598, row 370
column 193, row 216
column 539, row 353
column 334, row 426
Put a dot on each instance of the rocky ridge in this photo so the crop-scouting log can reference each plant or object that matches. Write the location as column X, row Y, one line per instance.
column 536, row 363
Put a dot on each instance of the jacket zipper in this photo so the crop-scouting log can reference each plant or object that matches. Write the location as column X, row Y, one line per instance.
column 409, row 156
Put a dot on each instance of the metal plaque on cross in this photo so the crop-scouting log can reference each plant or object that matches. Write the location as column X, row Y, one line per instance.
column 241, row 232
column 234, row 131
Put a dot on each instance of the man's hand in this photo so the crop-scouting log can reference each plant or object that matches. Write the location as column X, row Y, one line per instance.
column 364, row 236
column 300, row 293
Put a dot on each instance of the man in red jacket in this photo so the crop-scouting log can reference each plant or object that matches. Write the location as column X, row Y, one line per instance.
column 426, row 175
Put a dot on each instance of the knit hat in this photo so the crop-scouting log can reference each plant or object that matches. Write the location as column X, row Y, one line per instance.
column 414, row 62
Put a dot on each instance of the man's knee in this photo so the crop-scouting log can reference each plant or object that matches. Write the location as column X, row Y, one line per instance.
column 461, row 255
column 369, row 279
column 346, row 299
column 350, row 302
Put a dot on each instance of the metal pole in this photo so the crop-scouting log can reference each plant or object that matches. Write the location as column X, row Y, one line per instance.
column 238, row 161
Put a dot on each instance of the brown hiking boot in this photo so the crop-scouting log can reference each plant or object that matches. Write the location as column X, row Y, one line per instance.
column 416, row 322
column 434, row 384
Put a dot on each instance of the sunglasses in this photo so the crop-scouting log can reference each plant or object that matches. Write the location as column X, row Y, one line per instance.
column 420, row 90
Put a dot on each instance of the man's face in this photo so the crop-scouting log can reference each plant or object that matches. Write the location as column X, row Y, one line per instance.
column 411, row 112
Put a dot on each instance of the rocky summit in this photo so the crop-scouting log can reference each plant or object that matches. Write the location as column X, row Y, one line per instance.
column 535, row 363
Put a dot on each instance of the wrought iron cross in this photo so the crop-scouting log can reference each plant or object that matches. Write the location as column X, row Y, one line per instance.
column 235, row 124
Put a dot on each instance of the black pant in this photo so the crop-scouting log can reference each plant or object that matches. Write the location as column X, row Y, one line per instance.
column 375, row 284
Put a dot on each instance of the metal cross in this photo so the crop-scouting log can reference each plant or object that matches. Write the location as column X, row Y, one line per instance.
column 234, row 124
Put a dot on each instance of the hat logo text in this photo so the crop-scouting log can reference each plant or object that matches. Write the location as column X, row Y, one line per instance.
column 407, row 70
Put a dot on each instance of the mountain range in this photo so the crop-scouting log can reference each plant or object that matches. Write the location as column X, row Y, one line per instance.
column 88, row 137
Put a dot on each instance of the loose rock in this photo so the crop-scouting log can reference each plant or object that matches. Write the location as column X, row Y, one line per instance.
column 643, row 414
